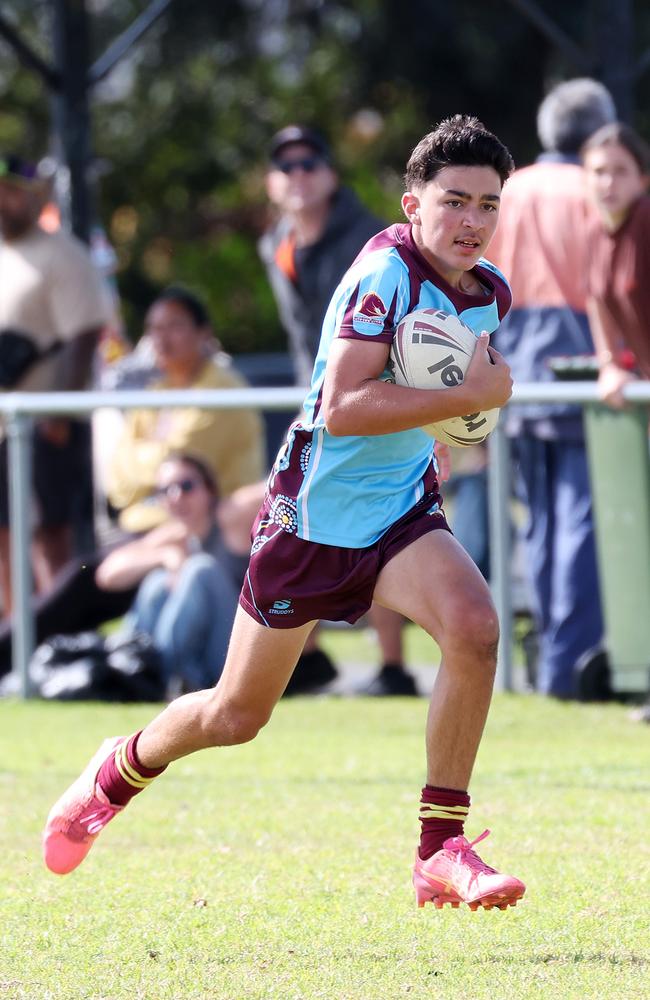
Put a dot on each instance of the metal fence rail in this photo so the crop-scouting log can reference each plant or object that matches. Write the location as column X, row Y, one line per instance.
column 19, row 408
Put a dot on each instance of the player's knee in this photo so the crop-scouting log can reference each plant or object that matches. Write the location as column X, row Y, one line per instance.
column 473, row 630
column 231, row 723
column 484, row 628
column 245, row 726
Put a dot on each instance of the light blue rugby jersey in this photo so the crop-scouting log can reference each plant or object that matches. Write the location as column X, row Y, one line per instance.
column 348, row 491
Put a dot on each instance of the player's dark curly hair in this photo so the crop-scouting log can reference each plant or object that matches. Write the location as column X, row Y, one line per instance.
column 459, row 141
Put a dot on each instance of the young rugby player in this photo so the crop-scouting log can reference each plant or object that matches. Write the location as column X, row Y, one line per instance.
column 353, row 513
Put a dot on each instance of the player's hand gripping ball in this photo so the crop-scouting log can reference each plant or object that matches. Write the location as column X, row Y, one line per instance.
column 432, row 349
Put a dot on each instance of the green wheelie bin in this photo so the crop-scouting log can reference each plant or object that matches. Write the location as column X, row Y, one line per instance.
column 619, row 463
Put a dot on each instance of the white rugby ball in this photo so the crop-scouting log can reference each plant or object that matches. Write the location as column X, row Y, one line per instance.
column 432, row 350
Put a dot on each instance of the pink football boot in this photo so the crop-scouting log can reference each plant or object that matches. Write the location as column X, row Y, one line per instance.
column 79, row 816
column 457, row 875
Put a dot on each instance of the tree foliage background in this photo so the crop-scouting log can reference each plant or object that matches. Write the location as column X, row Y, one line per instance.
column 181, row 127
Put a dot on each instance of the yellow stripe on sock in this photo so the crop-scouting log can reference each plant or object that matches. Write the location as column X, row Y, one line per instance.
column 132, row 771
column 130, row 775
column 126, row 764
column 437, row 805
column 443, row 812
column 135, row 784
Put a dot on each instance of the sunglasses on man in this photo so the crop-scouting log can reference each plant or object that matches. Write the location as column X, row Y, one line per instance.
column 307, row 163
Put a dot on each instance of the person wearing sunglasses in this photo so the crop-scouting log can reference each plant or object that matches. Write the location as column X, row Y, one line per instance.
column 319, row 228
column 188, row 572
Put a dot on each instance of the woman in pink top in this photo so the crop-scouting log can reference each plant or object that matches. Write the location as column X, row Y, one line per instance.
column 617, row 165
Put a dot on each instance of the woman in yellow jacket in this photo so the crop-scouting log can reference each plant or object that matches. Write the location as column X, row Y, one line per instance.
column 230, row 442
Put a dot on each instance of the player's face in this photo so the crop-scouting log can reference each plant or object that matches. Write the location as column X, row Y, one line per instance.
column 615, row 180
column 300, row 180
column 454, row 217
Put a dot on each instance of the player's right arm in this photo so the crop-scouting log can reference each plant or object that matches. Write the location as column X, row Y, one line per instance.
column 357, row 401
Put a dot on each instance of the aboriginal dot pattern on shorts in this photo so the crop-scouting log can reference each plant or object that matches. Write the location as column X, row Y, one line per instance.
column 304, row 457
column 284, row 513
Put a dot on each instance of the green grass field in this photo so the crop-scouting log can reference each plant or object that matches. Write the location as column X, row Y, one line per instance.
column 282, row 869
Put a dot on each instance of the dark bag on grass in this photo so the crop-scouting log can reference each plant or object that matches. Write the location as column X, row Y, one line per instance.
column 87, row 667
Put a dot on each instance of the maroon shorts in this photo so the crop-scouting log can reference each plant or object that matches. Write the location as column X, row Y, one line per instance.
column 290, row 582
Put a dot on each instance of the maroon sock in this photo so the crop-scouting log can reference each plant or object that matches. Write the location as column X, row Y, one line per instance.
column 122, row 776
column 442, row 814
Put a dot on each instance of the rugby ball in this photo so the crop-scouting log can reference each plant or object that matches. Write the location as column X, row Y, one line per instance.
column 432, row 349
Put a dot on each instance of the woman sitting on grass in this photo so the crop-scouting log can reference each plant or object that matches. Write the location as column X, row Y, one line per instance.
column 189, row 571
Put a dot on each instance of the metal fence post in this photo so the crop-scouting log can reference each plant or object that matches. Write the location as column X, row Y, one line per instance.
column 500, row 550
column 19, row 430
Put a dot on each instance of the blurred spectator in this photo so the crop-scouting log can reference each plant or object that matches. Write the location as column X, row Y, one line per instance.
column 320, row 228
column 78, row 603
column 52, row 308
column 230, row 442
column 617, row 166
column 188, row 571
column 541, row 245
column 177, row 585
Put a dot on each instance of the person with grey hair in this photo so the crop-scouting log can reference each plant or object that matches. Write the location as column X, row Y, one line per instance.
column 541, row 246
column 571, row 113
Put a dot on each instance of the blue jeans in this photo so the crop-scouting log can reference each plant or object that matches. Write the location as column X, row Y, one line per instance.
column 190, row 623
column 553, row 483
column 470, row 522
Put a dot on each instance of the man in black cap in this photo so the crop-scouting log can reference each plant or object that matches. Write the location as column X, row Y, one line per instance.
column 320, row 229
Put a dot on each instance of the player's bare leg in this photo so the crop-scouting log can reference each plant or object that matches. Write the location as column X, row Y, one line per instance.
column 436, row 584
column 258, row 666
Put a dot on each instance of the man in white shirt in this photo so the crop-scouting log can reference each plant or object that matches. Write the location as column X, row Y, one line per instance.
column 53, row 297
